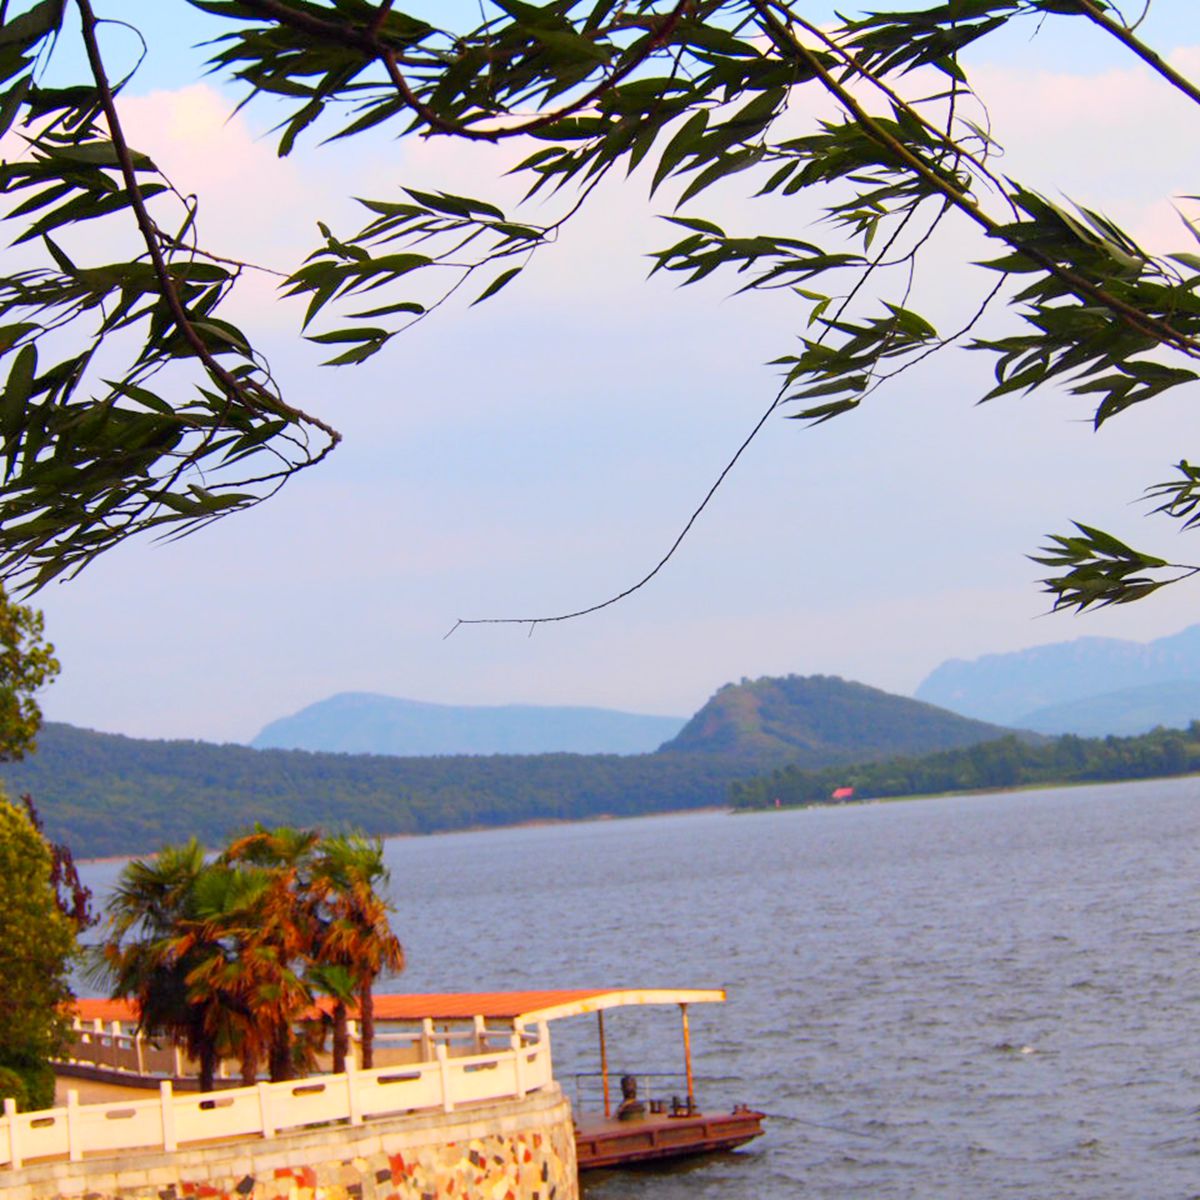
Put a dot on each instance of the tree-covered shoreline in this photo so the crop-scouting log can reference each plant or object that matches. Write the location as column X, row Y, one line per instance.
column 115, row 796
column 1004, row 764
column 112, row 795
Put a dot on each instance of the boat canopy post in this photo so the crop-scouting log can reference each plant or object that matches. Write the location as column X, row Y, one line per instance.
column 603, row 1063
column 687, row 1057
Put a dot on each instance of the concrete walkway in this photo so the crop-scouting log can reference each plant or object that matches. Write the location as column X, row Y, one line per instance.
column 92, row 1092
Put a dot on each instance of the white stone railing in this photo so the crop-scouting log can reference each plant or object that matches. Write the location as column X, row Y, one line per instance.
column 169, row 1120
column 118, row 1049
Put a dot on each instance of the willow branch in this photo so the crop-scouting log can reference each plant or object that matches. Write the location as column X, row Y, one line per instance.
column 1137, row 46
column 436, row 121
column 232, row 387
column 533, row 622
column 337, row 33
column 1152, row 327
column 368, row 42
column 953, row 147
column 381, row 15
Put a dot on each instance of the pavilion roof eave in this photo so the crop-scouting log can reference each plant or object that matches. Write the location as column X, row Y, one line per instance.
column 524, row 1007
column 618, row 998
column 528, row 1007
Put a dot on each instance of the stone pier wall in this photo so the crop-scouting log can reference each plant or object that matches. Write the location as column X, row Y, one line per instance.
column 508, row 1150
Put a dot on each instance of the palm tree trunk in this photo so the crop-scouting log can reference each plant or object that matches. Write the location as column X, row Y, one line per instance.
column 249, row 1069
column 366, row 1015
column 341, row 1037
column 208, row 1068
column 281, row 1054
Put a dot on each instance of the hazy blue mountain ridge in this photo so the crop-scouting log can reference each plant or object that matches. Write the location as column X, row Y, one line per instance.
column 1173, row 704
column 1012, row 688
column 366, row 723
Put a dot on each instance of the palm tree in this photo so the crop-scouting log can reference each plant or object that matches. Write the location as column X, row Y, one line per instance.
column 143, row 958
column 275, row 947
column 223, row 984
column 339, row 984
column 223, row 955
column 355, row 934
column 213, row 952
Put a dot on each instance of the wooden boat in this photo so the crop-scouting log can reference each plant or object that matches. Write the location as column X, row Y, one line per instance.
column 601, row 1142
column 661, row 1124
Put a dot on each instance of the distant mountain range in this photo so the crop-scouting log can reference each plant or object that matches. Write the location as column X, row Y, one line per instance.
column 1089, row 686
column 365, row 723
column 106, row 794
column 1123, row 713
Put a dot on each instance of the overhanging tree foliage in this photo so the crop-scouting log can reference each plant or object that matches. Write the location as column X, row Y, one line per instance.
column 37, row 943
column 27, row 664
column 43, row 903
column 131, row 404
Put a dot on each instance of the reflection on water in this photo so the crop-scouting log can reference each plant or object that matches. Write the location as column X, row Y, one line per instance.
column 947, row 998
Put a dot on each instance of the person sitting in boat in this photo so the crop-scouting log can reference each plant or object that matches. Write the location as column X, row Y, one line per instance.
column 632, row 1109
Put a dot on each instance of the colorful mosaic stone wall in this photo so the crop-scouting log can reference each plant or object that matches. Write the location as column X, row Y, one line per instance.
column 522, row 1150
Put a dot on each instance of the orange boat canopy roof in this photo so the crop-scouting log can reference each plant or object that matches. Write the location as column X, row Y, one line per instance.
column 523, row 1007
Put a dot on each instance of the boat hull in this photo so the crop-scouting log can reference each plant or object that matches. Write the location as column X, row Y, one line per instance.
column 608, row 1143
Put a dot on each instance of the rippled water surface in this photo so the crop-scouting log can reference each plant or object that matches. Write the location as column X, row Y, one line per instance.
column 977, row 998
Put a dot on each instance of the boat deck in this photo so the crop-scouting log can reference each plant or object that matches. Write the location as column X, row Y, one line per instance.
column 601, row 1142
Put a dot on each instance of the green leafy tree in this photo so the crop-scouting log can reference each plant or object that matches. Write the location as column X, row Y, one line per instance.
column 185, row 424
column 73, row 896
column 37, row 943
column 12, row 1086
column 43, row 903
column 27, row 664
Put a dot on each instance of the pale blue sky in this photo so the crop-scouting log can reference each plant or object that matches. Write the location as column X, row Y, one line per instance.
column 540, row 452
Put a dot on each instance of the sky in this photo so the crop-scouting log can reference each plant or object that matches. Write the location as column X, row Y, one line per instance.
column 540, row 452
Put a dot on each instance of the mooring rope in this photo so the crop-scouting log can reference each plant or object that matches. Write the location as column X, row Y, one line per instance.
column 859, row 1133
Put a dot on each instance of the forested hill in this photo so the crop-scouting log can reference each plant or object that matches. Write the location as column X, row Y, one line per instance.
column 105, row 794
column 1004, row 763
column 815, row 720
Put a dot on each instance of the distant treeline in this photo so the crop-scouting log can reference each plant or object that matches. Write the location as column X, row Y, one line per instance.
column 109, row 795
column 1004, row 763
column 103, row 794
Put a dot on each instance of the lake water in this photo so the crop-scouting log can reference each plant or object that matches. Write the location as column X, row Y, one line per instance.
column 947, row 998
